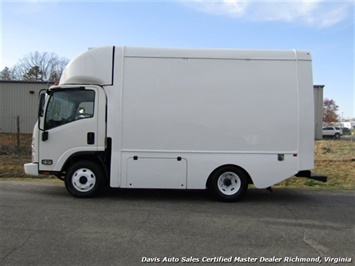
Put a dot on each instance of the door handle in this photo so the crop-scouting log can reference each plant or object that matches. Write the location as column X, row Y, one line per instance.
column 91, row 138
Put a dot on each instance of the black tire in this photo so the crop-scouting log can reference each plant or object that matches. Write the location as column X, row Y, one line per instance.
column 228, row 183
column 84, row 179
column 337, row 135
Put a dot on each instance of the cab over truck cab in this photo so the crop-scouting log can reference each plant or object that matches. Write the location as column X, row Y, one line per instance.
column 177, row 119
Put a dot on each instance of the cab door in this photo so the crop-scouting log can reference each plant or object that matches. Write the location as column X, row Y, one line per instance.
column 73, row 122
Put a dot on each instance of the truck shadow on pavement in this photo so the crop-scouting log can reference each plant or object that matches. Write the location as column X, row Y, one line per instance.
column 252, row 195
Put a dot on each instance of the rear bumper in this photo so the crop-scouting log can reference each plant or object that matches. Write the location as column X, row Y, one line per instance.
column 308, row 174
column 31, row 168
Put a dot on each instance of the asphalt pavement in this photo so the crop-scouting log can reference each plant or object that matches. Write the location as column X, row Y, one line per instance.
column 41, row 224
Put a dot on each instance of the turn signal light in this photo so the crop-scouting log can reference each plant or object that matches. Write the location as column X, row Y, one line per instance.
column 45, row 173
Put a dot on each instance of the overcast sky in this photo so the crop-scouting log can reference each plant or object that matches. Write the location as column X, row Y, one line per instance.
column 325, row 28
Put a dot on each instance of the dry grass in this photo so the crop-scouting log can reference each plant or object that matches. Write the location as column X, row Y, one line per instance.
column 13, row 156
column 9, row 144
column 333, row 158
column 336, row 160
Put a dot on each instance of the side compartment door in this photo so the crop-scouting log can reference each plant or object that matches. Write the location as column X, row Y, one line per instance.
column 71, row 124
column 155, row 172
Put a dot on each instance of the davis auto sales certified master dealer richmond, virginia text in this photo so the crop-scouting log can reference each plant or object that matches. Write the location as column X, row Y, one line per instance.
column 232, row 259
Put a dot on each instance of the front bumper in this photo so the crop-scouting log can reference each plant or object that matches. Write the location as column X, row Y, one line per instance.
column 31, row 168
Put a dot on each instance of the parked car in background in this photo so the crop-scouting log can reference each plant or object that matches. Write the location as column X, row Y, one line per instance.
column 333, row 132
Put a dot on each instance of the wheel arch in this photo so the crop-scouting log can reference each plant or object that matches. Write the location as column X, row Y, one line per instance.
column 96, row 157
column 250, row 181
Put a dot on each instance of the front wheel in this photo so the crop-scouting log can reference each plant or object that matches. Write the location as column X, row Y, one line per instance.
column 84, row 179
column 228, row 183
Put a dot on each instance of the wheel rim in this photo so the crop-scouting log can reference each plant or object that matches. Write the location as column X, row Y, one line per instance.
column 83, row 179
column 229, row 183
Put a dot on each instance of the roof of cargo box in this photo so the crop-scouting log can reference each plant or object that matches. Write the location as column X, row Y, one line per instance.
column 216, row 53
column 96, row 66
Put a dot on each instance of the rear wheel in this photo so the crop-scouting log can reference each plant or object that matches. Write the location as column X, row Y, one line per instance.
column 228, row 183
column 84, row 179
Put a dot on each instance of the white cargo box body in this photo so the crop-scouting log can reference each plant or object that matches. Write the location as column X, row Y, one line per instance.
column 176, row 115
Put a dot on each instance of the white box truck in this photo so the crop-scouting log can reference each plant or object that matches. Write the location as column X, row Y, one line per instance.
column 169, row 118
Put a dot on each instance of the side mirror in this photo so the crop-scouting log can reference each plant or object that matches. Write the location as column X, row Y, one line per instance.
column 42, row 95
column 42, row 101
column 44, row 135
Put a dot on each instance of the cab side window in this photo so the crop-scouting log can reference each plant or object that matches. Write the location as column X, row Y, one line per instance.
column 68, row 106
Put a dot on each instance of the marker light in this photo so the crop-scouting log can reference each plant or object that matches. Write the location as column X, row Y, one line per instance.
column 47, row 162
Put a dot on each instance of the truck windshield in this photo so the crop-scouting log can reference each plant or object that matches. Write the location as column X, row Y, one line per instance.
column 68, row 106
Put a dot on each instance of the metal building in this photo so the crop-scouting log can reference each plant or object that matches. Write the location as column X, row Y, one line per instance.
column 318, row 110
column 19, row 98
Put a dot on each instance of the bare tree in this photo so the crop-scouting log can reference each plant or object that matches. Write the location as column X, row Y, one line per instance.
column 33, row 74
column 7, row 74
column 38, row 66
column 330, row 111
